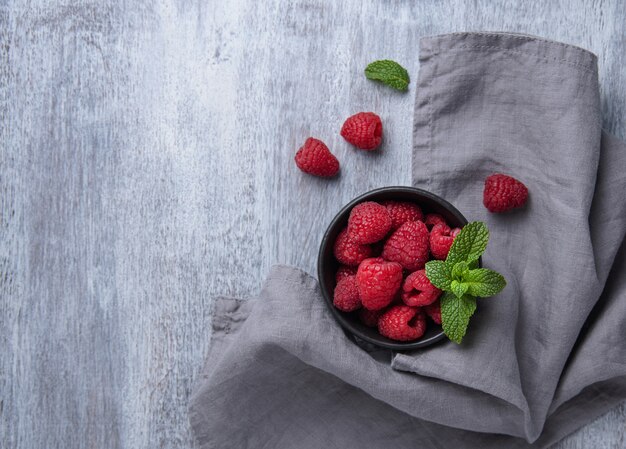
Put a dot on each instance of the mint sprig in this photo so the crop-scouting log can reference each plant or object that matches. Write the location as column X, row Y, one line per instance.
column 388, row 72
column 462, row 281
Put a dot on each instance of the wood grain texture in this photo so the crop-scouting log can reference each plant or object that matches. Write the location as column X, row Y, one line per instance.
column 146, row 167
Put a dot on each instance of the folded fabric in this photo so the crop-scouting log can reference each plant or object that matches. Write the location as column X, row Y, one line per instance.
column 542, row 358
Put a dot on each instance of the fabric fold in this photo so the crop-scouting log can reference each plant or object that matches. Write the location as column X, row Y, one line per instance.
column 542, row 358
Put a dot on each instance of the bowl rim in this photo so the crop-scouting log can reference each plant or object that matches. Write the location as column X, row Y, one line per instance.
column 339, row 316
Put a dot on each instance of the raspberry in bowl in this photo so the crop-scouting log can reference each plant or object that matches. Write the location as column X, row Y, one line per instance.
column 371, row 265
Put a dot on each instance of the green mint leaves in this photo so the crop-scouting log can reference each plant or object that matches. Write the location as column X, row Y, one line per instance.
column 469, row 244
column 484, row 283
column 455, row 314
column 388, row 72
column 462, row 281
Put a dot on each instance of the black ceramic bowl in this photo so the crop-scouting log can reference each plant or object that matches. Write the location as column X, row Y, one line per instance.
column 327, row 264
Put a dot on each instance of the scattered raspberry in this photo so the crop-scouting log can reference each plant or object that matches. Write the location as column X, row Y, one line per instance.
column 378, row 282
column 363, row 130
column 348, row 252
column 441, row 239
column 369, row 317
column 369, row 222
column 433, row 219
column 344, row 271
column 408, row 246
column 455, row 232
column 346, row 296
column 316, row 159
column 401, row 212
column 433, row 311
column 417, row 290
column 503, row 193
column 402, row 323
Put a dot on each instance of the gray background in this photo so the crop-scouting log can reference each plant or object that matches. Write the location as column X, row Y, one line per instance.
column 147, row 165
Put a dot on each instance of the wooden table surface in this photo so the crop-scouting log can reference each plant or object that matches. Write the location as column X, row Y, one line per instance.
column 147, row 166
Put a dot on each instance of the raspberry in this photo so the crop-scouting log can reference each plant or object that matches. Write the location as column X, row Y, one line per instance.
column 369, row 222
column 369, row 317
column 344, row 271
column 433, row 311
column 417, row 290
column 503, row 193
column 363, row 130
column 402, row 323
column 348, row 252
column 455, row 232
column 433, row 219
column 346, row 297
column 378, row 282
column 401, row 212
column 441, row 239
column 408, row 246
column 316, row 159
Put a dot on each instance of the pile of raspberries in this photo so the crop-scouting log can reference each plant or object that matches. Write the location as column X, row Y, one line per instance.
column 382, row 253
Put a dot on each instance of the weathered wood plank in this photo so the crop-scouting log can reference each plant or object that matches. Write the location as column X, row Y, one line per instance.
column 146, row 166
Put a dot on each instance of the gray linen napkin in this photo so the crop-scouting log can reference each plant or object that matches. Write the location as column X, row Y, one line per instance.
column 541, row 359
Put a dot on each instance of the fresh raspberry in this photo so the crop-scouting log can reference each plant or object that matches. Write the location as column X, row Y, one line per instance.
column 369, row 317
column 401, row 212
column 408, row 246
column 378, row 282
column 454, row 232
column 503, row 193
column 346, row 297
column 316, row 159
column 363, row 130
column 344, row 271
column 348, row 252
column 433, row 219
column 369, row 222
column 417, row 290
column 402, row 323
column 441, row 239
column 433, row 311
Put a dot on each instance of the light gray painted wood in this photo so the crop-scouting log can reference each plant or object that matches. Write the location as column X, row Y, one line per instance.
column 146, row 166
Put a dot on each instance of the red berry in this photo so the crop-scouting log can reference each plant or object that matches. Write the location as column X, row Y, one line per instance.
column 417, row 290
column 401, row 212
column 434, row 219
column 408, row 246
column 454, row 232
column 344, row 271
column 369, row 222
column 402, row 323
column 363, row 130
column 433, row 311
column 441, row 240
column 316, row 159
column 369, row 317
column 349, row 252
column 378, row 282
column 503, row 193
column 346, row 297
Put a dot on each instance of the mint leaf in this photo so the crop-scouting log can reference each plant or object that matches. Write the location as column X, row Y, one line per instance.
column 458, row 288
column 459, row 271
column 469, row 244
column 388, row 72
column 455, row 315
column 439, row 274
column 484, row 282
